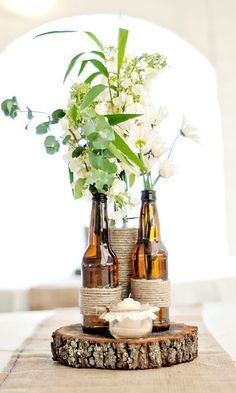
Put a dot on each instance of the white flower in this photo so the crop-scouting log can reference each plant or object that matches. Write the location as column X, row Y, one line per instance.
column 189, row 131
column 162, row 114
column 166, row 169
column 152, row 72
column 139, row 90
column 112, row 65
column 64, row 123
column 117, row 187
column 135, row 108
column 149, row 162
column 142, row 139
column 139, row 139
column 101, row 108
column 77, row 166
column 159, row 147
column 134, row 76
column 126, row 83
column 104, row 96
column 118, row 215
column 67, row 157
column 123, row 99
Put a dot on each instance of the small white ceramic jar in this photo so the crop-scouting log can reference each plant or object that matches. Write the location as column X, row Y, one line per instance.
column 130, row 319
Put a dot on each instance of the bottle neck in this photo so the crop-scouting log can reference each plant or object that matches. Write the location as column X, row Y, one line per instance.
column 149, row 228
column 98, row 231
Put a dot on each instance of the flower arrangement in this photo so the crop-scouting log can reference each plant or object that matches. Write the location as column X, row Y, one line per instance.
column 110, row 127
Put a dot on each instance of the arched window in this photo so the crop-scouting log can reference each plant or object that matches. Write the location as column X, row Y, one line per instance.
column 42, row 226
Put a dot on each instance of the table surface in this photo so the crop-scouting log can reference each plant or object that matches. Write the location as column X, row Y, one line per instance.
column 219, row 318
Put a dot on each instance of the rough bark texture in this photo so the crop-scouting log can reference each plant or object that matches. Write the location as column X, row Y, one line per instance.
column 72, row 347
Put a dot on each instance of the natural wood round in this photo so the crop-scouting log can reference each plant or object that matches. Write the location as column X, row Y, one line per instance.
column 72, row 347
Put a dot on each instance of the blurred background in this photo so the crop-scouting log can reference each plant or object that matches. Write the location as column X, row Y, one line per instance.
column 42, row 227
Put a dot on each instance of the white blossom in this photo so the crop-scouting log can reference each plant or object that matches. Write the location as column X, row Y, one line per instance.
column 142, row 139
column 162, row 114
column 102, row 108
column 126, row 83
column 64, row 123
column 135, row 108
column 118, row 215
column 139, row 89
column 149, row 162
column 189, row 131
column 139, row 139
column 117, row 187
column 112, row 65
column 104, row 95
column 66, row 127
column 159, row 147
column 134, row 76
column 123, row 99
column 152, row 72
column 68, row 156
column 77, row 166
column 166, row 169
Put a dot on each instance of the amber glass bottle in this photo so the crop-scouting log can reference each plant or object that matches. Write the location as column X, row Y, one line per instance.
column 150, row 258
column 99, row 264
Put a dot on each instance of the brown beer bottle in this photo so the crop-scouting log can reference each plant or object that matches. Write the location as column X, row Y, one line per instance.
column 149, row 258
column 99, row 264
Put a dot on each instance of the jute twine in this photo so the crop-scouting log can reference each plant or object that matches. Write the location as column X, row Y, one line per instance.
column 154, row 292
column 122, row 241
column 94, row 301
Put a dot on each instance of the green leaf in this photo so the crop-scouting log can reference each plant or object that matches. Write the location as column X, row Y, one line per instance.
column 95, row 39
column 83, row 64
column 71, row 179
column 131, row 179
column 78, row 151
column 91, row 95
column 120, row 118
column 57, row 115
column 66, row 139
column 98, row 143
column 121, row 145
column 79, row 185
column 56, row 32
column 92, row 77
column 51, row 144
column 98, row 53
column 99, row 179
column 73, row 112
column 71, row 65
column 71, row 175
column 100, row 66
column 10, row 107
column 99, row 133
column 42, row 128
column 116, row 153
column 29, row 113
column 122, row 40
column 104, row 164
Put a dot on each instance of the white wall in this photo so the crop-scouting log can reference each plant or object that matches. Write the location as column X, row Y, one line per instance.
column 208, row 25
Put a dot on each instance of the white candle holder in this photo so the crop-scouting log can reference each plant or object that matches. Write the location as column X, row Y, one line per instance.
column 130, row 319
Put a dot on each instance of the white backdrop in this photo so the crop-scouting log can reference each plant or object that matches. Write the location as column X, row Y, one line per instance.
column 41, row 225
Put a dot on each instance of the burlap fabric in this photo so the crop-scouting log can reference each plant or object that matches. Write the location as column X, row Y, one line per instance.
column 31, row 369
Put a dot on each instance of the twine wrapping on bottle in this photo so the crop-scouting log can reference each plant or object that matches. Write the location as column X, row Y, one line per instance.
column 95, row 301
column 154, row 292
column 122, row 241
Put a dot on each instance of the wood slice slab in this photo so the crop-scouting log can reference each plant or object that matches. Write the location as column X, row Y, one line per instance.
column 72, row 347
